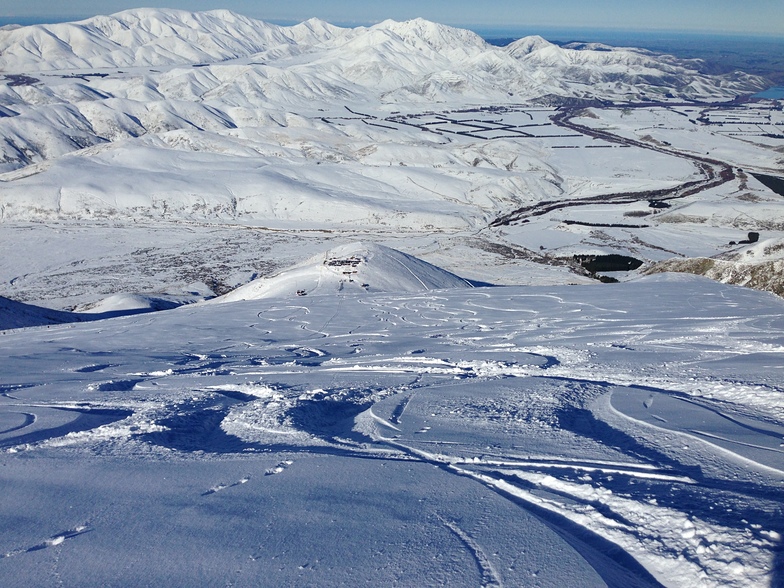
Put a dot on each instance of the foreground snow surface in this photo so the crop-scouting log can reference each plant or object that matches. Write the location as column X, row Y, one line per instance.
column 624, row 435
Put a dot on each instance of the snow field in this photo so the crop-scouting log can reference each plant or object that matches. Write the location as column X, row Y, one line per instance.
column 351, row 400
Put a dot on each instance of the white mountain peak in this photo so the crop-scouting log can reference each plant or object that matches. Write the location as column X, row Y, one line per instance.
column 527, row 45
column 442, row 39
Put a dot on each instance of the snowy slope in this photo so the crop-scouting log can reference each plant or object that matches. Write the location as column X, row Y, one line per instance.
column 15, row 315
column 18, row 315
column 120, row 304
column 355, row 267
column 624, row 435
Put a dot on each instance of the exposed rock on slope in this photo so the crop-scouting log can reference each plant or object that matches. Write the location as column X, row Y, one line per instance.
column 755, row 267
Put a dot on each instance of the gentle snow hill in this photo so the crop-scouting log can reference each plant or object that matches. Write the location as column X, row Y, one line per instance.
column 356, row 267
column 17, row 315
column 121, row 304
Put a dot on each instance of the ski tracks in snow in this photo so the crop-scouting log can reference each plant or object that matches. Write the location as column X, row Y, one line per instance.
column 490, row 578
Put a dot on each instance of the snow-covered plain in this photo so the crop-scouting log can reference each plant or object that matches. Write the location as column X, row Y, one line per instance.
column 554, row 436
column 343, row 413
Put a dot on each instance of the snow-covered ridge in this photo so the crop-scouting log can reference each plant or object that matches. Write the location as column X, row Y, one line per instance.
column 145, row 36
column 412, row 51
column 136, row 38
column 15, row 315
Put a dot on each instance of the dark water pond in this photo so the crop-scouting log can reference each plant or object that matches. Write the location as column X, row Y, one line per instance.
column 772, row 182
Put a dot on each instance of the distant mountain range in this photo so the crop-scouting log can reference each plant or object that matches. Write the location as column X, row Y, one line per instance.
column 70, row 86
column 168, row 115
column 408, row 60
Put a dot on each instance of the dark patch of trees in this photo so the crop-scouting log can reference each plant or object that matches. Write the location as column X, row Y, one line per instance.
column 608, row 263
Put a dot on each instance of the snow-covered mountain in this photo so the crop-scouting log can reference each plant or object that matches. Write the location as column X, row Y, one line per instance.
column 355, row 267
column 620, row 71
column 148, row 79
column 153, row 116
column 416, row 48
column 139, row 37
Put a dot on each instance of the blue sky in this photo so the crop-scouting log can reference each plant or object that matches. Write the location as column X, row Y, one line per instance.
column 764, row 17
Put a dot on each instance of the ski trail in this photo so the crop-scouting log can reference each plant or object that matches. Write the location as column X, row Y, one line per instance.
column 490, row 577
column 382, row 421
column 640, row 472
column 410, row 272
column 397, row 414
column 29, row 419
column 592, row 546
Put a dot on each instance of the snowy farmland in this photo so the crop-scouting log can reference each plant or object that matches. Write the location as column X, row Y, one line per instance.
column 318, row 306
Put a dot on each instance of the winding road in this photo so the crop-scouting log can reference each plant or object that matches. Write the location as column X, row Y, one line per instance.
column 715, row 173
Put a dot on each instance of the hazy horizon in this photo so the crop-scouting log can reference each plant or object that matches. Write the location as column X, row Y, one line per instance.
column 552, row 33
column 755, row 18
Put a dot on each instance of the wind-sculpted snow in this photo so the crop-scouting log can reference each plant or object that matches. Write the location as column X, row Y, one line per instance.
column 626, row 435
